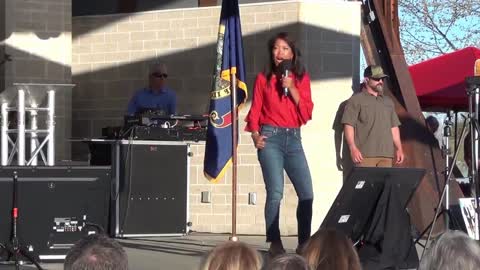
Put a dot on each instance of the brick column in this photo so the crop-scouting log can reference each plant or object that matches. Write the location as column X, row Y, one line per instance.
column 38, row 37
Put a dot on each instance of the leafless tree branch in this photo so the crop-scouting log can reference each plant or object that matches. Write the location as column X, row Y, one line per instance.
column 429, row 28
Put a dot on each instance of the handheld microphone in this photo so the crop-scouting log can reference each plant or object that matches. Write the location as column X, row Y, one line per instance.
column 285, row 89
column 286, row 65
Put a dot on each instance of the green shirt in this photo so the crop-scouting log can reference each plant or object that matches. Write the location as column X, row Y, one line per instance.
column 372, row 118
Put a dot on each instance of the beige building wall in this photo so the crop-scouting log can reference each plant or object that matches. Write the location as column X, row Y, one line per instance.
column 37, row 35
column 110, row 59
column 338, row 49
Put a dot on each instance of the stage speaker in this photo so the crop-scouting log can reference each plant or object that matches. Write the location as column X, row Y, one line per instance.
column 371, row 209
column 153, row 188
column 56, row 207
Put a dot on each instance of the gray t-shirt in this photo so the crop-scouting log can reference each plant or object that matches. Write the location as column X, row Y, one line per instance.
column 372, row 118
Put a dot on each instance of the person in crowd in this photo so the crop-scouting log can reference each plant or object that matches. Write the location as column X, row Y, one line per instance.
column 280, row 106
column 371, row 124
column 96, row 252
column 288, row 262
column 453, row 250
column 157, row 96
column 329, row 249
column 232, row 256
column 432, row 123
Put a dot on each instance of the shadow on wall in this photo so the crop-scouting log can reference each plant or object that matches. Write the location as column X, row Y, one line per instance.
column 44, row 18
column 38, row 29
column 104, row 7
column 32, row 68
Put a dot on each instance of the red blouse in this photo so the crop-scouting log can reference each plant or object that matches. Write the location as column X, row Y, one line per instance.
column 271, row 107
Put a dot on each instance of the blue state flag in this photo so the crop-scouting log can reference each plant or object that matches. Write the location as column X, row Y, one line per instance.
column 229, row 63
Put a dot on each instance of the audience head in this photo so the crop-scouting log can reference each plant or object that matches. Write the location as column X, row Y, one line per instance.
column 329, row 249
column 453, row 250
column 96, row 252
column 232, row 256
column 432, row 123
column 288, row 262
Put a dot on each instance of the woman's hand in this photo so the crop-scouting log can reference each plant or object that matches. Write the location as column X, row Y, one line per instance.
column 258, row 140
column 287, row 82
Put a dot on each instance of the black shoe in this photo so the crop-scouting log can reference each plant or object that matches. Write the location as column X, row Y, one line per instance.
column 276, row 249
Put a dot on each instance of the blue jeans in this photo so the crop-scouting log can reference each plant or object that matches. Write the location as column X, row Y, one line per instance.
column 283, row 151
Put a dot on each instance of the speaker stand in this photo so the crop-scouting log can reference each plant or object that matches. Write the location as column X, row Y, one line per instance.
column 13, row 248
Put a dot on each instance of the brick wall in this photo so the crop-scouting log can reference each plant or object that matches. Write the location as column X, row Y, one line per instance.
column 38, row 37
column 110, row 59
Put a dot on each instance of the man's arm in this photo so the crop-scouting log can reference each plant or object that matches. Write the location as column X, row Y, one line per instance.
column 132, row 105
column 399, row 156
column 349, row 132
column 172, row 107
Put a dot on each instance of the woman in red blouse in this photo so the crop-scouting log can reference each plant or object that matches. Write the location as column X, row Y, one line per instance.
column 280, row 106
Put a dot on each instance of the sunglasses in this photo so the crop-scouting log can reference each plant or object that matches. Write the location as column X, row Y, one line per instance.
column 160, row 75
column 376, row 79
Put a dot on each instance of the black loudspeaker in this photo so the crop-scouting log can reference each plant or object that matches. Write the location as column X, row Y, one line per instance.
column 354, row 204
column 153, row 189
column 370, row 209
column 56, row 206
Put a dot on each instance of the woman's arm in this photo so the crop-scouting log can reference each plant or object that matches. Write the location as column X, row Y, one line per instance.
column 253, row 117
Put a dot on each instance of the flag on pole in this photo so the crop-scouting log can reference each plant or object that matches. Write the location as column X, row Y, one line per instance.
column 229, row 63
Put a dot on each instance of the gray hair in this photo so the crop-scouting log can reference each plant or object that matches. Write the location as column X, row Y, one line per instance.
column 96, row 252
column 288, row 262
column 452, row 251
column 158, row 67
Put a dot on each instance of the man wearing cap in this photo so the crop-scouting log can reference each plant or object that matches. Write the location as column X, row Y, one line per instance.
column 370, row 124
column 157, row 96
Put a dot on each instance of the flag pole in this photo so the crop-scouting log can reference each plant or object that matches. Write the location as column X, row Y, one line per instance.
column 233, row 85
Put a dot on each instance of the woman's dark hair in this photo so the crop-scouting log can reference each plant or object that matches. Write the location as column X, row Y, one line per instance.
column 297, row 67
column 432, row 123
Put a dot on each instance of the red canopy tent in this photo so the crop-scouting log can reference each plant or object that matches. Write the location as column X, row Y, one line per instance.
column 440, row 82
